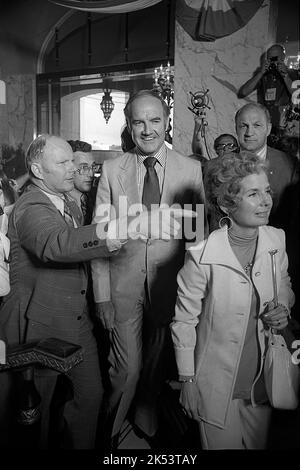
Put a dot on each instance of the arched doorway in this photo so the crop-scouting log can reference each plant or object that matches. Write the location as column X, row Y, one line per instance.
column 87, row 54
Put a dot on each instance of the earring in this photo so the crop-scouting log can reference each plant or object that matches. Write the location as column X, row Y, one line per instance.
column 226, row 220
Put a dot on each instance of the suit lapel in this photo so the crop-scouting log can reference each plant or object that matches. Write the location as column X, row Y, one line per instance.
column 127, row 178
column 173, row 171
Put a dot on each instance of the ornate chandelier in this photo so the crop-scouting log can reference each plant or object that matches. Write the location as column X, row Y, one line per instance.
column 164, row 83
column 293, row 61
column 107, row 105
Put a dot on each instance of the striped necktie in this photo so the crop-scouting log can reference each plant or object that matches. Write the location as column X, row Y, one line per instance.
column 84, row 205
column 67, row 212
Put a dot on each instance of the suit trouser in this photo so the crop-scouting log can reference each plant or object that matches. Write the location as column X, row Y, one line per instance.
column 246, row 428
column 137, row 364
column 81, row 412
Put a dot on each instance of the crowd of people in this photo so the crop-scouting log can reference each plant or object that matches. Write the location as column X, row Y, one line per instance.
column 199, row 316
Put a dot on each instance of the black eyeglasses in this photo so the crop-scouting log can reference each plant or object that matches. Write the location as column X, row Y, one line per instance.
column 85, row 170
column 229, row 146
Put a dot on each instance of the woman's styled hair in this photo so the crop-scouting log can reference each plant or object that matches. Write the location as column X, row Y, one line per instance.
column 224, row 174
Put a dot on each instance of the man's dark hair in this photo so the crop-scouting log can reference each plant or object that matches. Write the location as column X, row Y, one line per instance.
column 80, row 146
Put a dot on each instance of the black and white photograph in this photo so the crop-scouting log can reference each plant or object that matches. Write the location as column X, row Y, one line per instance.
column 149, row 231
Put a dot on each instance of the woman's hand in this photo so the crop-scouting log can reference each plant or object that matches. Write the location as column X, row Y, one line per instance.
column 275, row 317
column 190, row 400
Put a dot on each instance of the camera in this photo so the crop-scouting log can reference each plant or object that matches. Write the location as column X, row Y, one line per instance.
column 273, row 63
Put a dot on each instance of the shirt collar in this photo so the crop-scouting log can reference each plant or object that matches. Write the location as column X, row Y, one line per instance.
column 160, row 155
column 57, row 200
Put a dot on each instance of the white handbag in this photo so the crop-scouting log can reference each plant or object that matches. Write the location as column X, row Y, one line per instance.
column 281, row 376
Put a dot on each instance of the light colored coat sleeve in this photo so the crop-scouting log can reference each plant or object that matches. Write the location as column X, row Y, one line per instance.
column 286, row 296
column 4, row 266
column 192, row 286
column 100, row 266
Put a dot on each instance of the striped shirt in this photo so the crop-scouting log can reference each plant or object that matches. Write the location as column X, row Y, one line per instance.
column 160, row 167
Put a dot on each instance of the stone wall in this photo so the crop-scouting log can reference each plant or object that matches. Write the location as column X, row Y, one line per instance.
column 222, row 67
column 17, row 115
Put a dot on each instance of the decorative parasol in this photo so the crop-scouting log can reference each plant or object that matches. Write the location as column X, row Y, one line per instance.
column 208, row 20
column 106, row 6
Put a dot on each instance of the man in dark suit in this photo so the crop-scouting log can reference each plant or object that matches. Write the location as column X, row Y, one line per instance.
column 84, row 192
column 136, row 291
column 253, row 125
column 48, row 280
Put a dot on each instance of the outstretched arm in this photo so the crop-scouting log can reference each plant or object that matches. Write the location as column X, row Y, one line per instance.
column 252, row 84
column 197, row 147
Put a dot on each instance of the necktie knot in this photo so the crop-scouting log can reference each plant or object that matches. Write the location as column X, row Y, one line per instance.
column 151, row 189
column 149, row 162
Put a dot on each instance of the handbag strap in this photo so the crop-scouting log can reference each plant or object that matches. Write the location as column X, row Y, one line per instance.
column 276, row 339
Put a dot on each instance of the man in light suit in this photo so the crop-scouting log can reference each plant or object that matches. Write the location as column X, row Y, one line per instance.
column 253, row 125
column 48, row 280
column 135, row 291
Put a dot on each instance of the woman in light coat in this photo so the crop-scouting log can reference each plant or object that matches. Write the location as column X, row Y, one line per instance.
column 224, row 308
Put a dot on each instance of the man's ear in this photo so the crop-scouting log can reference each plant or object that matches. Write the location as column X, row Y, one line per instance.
column 269, row 127
column 167, row 123
column 37, row 171
column 128, row 125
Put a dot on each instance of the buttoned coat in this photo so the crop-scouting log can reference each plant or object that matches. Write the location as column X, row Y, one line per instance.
column 212, row 312
column 122, row 278
column 48, row 276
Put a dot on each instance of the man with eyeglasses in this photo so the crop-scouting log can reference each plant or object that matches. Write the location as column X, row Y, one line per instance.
column 49, row 282
column 225, row 143
column 83, row 178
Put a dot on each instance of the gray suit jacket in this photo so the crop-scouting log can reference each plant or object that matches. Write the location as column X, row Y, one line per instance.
column 121, row 279
column 283, row 175
column 48, row 275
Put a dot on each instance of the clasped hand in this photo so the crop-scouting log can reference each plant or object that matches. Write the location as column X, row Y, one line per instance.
column 160, row 224
column 275, row 317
